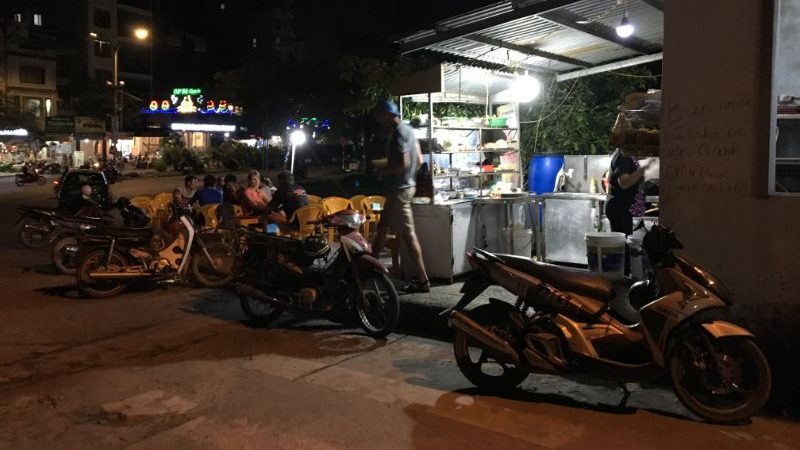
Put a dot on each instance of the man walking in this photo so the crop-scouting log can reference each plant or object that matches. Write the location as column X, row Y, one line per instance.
column 400, row 182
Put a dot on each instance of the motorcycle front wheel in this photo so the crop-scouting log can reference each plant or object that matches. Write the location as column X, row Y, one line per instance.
column 379, row 308
column 476, row 363
column 31, row 236
column 41, row 180
column 222, row 270
column 95, row 261
column 723, row 380
column 260, row 312
column 64, row 255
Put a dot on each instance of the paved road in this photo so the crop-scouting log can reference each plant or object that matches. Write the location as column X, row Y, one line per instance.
column 181, row 369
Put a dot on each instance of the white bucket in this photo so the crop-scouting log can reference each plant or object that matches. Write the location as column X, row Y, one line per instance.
column 523, row 237
column 606, row 254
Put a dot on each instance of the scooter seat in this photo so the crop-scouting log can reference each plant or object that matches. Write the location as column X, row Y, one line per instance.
column 122, row 232
column 582, row 283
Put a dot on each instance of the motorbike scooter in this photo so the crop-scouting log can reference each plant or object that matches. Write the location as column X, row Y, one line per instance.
column 35, row 226
column 67, row 229
column 111, row 258
column 307, row 277
column 561, row 323
column 32, row 176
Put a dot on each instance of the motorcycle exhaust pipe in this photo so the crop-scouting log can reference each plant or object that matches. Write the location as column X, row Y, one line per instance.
column 111, row 275
column 494, row 343
column 39, row 228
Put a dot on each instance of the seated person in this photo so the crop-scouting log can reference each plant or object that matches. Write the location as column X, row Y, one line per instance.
column 178, row 207
column 289, row 197
column 188, row 194
column 226, row 213
column 210, row 194
column 253, row 199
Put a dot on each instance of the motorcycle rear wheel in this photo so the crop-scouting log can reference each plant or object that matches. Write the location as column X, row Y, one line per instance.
column 64, row 261
column 731, row 394
column 477, row 365
column 33, row 238
column 379, row 310
column 225, row 260
column 96, row 288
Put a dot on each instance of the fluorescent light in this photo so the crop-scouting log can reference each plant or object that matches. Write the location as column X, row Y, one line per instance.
column 15, row 132
column 625, row 28
column 210, row 127
column 524, row 88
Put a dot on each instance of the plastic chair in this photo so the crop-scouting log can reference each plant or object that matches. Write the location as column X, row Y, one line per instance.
column 332, row 205
column 356, row 202
column 242, row 219
column 314, row 199
column 372, row 218
column 160, row 207
column 145, row 202
column 210, row 215
column 303, row 216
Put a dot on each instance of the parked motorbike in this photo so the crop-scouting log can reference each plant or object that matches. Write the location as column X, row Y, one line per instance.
column 307, row 277
column 64, row 251
column 35, row 226
column 111, row 258
column 562, row 323
column 29, row 177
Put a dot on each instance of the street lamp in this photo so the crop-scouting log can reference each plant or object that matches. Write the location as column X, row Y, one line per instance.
column 298, row 137
column 140, row 34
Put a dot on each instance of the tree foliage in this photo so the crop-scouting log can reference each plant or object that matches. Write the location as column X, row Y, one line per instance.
column 576, row 116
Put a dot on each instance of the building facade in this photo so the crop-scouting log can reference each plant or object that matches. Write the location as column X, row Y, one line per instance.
column 28, row 87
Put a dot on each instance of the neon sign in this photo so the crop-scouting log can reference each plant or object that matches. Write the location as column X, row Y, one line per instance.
column 310, row 122
column 189, row 101
column 187, row 91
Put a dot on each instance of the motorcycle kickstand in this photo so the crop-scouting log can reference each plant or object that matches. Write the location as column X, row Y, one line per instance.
column 626, row 394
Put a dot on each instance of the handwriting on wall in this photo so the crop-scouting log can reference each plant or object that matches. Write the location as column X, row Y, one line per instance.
column 702, row 146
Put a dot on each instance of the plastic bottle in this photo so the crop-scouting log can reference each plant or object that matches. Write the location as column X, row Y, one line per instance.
column 593, row 186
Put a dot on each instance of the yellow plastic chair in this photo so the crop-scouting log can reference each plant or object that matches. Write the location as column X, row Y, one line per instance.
column 314, row 199
column 145, row 202
column 160, row 207
column 356, row 202
column 242, row 219
column 210, row 215
column 303, row 216
column 372, row 218
column 332, row 205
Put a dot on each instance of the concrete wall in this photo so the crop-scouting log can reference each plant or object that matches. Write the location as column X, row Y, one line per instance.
column 714, row 168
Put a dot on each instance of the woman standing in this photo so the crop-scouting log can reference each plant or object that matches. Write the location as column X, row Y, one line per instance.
column 624, row 197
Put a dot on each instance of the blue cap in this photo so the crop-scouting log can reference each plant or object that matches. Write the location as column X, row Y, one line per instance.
column 388, row 106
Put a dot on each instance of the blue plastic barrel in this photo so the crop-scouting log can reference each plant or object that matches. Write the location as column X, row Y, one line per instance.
column 542, row 172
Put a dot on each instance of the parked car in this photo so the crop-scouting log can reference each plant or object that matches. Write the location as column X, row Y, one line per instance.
column 68, row 189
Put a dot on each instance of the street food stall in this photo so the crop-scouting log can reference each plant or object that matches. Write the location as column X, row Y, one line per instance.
column 473, row 161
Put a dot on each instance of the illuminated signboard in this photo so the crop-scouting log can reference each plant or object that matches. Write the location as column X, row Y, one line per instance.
column 15, row 132
column 210, row 127
column 187, row 91
column 309, row 122
column 189, row 101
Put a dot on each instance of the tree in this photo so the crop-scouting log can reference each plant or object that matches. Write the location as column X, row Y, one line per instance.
column 576, row 116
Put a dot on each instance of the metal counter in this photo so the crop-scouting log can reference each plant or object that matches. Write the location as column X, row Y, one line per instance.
column 562, row 220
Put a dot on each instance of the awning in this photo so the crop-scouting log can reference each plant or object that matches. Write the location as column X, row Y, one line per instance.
column 563, row 38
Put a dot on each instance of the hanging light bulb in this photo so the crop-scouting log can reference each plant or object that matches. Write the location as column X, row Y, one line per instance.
column 625, row 28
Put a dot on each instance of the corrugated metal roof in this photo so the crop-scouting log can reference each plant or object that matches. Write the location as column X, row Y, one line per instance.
column 548, row 36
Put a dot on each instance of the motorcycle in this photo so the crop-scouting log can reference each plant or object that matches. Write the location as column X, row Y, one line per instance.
column 561, row 323
column 29, row 177
column 36, row 226
column 64, row 251
column 111, row 258
column 307, row 277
